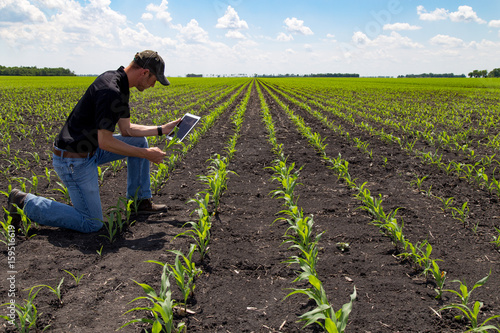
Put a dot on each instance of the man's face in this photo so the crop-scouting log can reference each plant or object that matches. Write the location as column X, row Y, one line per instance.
column 148, row 80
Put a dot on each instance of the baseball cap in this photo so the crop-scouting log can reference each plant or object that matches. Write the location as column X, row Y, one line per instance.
column 151, row 60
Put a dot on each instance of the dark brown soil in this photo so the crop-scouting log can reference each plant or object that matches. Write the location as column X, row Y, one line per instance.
column 244, row 279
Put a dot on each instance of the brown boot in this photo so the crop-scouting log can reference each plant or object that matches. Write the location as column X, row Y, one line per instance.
column 16, row 199
column 147, row 206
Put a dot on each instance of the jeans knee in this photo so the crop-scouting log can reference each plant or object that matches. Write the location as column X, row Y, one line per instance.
column 140, row 142
column 92, row 226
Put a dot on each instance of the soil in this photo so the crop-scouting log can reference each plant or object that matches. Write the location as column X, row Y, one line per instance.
column 245, row 280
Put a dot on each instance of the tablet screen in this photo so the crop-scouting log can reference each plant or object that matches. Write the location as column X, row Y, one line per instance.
column 185, row 126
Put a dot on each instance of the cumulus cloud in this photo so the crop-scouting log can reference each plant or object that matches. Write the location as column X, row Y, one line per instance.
column 466, row 14
column 392, row 41
column 447, row 41
column 235, row 34
column 401, row 26
column 437, row 14
column 193, row 33
column 160, row 11
column 20, row 11
column 297, row 26
column 463, row 14
column 94, row 24
column 282, row 37
column 494, row 24
column 231, row 20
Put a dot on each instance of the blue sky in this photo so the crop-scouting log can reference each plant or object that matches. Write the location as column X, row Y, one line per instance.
column 368, row 37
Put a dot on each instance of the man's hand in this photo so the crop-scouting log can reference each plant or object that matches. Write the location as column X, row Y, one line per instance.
column 167, row 128
column 155, row 154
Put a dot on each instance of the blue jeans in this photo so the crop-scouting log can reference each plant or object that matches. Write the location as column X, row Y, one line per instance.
column 80, row 176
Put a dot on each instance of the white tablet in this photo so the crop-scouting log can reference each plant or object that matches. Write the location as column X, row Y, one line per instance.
column 185, row 126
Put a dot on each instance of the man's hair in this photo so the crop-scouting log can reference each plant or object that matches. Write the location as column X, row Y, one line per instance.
column 134, row 65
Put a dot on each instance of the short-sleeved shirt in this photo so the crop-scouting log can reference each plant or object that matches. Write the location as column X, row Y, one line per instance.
column 103, row 104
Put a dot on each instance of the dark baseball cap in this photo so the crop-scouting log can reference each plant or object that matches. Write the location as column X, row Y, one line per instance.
column 151, row 60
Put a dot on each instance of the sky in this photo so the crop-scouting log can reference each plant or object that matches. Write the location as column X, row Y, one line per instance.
column 224, row 37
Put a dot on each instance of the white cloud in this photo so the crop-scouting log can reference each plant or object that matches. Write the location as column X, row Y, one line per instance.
column 193, row 33
column 295, row 25
column 282, row 37
column 160, row 11
column 147, row 16
column 392, row 41
column 95, row 24
column 235, row 34
column 401, row 26
column 494, row 24
column 463, row 14
column 447, row 41
column 21, row 11
column 437, row 14
column 359, row 38
column 231, row 20
column 141, row 37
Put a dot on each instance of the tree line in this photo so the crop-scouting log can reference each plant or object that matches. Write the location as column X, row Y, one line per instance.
column 484, row 73
column 34, row 71
column 444, row 75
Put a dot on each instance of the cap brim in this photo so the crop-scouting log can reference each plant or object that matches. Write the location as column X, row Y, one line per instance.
column 163, row 80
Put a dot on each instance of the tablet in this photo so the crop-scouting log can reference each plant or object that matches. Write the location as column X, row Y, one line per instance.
column 185, row 126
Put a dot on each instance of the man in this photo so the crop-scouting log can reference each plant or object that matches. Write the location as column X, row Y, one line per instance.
column 87, row 140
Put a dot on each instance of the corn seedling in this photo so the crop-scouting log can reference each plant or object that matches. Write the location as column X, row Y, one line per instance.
column 471, row 313
column 446, row 203
column 200, row 230
column 496, row 239
column 110, row 226
column 216, row 179
column 75, row 277
column 55, row 290
column 323, row 314
column 64, row 191
column 185, row 273
column 418, row 182
column 27, row 313
column 26, row 223
column 461, row 213
column 162, row 307
column 439, row 277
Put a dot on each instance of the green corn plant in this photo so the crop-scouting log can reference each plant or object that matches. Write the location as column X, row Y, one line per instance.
column 323, row 314
column 494, row 186
column 418, row 182
column 185, row 272
column 425, row 260
column 162, row 307
column 26, row 223
column 75, row 277
column 200, row 230
column 446, row 203
column 439, row 277
column 64, row 191
column 55, row 290
column 110, row 226
column 496, row 239
column 27, row 313
column 471, row 313
column 217, row 178
column 288, row 179
column 461, row 213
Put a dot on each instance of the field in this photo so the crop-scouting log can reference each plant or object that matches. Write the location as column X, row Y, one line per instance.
column 383, row 189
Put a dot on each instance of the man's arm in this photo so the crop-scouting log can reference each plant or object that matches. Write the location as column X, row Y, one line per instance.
column 129, row 129
column 109, row 143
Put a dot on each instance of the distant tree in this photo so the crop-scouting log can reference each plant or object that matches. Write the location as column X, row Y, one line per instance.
column 33, row 71
column 494, row 73
column 478, row 73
